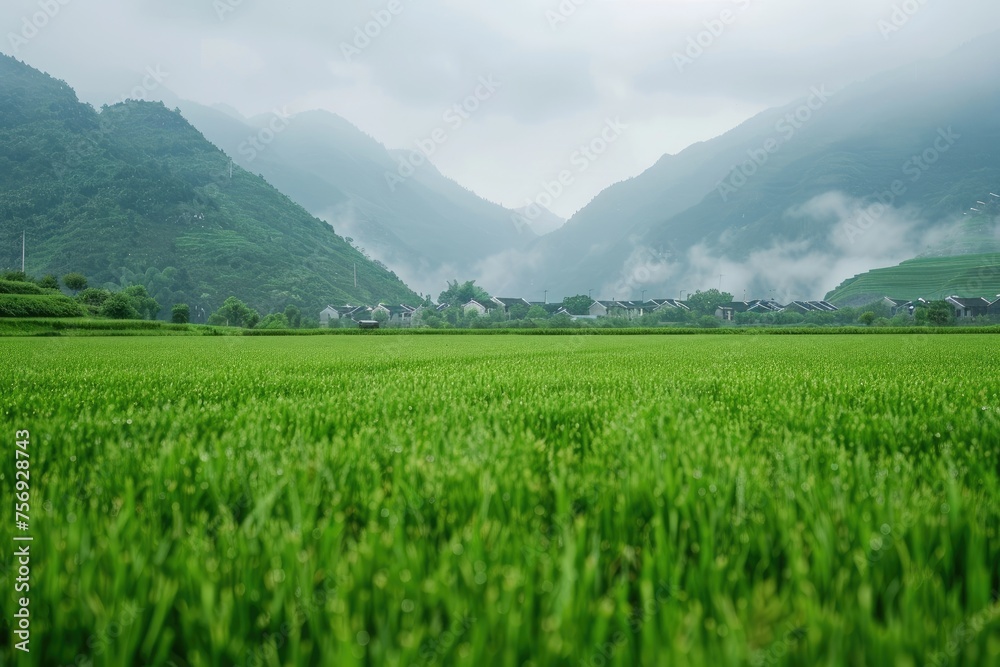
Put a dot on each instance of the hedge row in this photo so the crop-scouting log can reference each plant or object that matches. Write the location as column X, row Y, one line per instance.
column 38, row 305
column 12, row 287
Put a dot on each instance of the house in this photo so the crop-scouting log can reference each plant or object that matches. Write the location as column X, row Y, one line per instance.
column 968, row 308
column 994, row 309
column 401, row 315
column 335, row 313
column 727, row 312
column 505, row 303
column 902, row 307
column 613, row 309
column 327, row 314
column 897, row 306
column 666, row 304
column 805, row 307
column 481, row 307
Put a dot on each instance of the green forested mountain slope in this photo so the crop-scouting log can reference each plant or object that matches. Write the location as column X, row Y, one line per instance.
column 135, row 194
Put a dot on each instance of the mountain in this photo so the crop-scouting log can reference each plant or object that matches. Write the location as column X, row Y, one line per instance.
column 428, row 228
column 790, row 200
column 136, row 194
column 541, row 220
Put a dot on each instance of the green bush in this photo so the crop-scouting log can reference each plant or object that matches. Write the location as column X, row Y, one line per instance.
column 12, row 287
column 119, row 307
column 180, row 313
column 38, row 305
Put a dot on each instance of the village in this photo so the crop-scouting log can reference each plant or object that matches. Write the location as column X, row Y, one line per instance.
column 401, row 315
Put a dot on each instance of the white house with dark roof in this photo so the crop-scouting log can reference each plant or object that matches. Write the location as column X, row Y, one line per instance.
column 968, row 308
column 481, row 307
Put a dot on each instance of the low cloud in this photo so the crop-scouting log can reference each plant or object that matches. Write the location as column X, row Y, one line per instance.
column 860, row 236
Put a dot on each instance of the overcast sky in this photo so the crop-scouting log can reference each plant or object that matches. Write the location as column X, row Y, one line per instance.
column 561, row 69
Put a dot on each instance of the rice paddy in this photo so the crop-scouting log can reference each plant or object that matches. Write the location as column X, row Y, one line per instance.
column 506, row 500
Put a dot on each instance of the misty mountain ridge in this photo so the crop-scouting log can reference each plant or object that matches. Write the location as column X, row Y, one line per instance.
column 770, row 204
column 135, row 194
column 426, row 226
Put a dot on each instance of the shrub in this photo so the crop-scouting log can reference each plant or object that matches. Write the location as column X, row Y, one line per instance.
column 93, row 296
column 75, row 281
column 180, row 314
column 119, row 307
column 16, row 287
column 35, row 305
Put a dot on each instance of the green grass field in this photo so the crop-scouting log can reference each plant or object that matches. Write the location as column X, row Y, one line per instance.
column 506, row 500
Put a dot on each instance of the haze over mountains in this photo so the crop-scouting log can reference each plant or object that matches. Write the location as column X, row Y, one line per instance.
column 428, row 228
column 785, row 204
column 789, row 204
column 792, row 219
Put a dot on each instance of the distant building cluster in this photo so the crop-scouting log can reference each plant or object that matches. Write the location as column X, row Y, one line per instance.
column 965, row 308
column 403, row 315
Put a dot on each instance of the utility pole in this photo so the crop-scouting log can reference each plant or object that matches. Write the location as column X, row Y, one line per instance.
column 22, row 251
column 642, row 299
column 720, row 281
column 545, row 297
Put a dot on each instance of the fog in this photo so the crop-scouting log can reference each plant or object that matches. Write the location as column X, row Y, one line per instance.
column 675, row 72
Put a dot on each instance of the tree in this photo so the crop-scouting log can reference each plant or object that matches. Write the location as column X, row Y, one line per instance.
column 93, row 296
column 706, row 303
column 518, row 311
column 867, row 318
column 144, row 304
column 578, row 305
column 180, row 314
column 75, row 281
column 235, row 313
column 15, row 276
column 709, row 322
column 294, row 316
column 940, row 314
column 461, row 294
column 118, row 307
column 49, row 282
column 274, row 321
column 537, row 313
